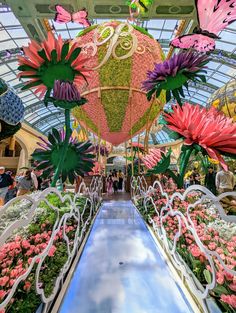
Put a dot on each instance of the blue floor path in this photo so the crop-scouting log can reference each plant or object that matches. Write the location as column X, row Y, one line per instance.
column 121, row 269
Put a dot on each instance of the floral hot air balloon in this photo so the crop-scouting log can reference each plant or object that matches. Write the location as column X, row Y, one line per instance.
column 120, row 54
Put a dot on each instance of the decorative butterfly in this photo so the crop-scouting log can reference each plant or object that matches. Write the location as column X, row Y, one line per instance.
column 213, row 17
column 63, row 16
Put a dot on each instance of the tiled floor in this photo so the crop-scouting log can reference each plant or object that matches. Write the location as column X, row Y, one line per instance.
column 121, row 269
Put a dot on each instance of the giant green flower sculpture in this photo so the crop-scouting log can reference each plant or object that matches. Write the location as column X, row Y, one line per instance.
column 53, row 60
column 56, row 70
column 173, row 74
column 78, row 158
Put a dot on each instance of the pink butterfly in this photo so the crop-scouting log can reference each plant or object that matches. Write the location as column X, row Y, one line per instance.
column 63, row 16
column 213, row 17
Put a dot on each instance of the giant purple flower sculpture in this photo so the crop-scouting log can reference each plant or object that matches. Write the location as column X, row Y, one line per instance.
column 173, row 74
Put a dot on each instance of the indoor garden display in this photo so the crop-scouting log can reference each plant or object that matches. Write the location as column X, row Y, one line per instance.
column 173, row 74
column 120, row 54
column 11, row 111
column 56, row 69
column 207, row 131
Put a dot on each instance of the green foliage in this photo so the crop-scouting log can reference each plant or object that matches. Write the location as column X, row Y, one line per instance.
column 114, row 73
column 142, row 30
column 114, row 104
column 82, row 116
column 86, row 30
column 28, row 301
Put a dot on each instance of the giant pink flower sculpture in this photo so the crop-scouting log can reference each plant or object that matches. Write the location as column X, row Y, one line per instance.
column 211, row 130
column 151, row 159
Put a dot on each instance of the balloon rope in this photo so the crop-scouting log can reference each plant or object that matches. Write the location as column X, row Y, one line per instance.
column 138, row 155
column 126, row 160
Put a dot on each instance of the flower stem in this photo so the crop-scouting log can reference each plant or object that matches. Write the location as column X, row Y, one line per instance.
column 65, row 146
column 184, row 159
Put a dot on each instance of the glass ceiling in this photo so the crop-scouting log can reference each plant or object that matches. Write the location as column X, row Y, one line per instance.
column 221, row 68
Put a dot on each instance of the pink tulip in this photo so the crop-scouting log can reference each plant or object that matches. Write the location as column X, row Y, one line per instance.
column 27, row 286
column 52, row 251
column 232, row 287
column 229, row 299
column 4, row 280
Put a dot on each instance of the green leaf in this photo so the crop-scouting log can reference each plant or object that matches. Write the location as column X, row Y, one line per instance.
column 56, row 134
column 220, row 290
column 51, row 139
column 168, row 95
column 71, row 177
column 207, row 275
column 202, row 78
column 64, row 51
column 30, row 85
column 43, row 165
column 129, row 158
column 158, row 92
column 54, row 56
column 181, row 92
column 74, row 55
column 175, row 93
column 47, row 172
column 64, row 176
column 43, row 55
column 149, row 94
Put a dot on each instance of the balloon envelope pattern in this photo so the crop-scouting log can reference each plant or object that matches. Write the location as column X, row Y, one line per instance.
column 120, row 54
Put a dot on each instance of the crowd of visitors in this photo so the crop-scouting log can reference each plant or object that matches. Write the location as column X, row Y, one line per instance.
column 12, row 186
column 216, row 182
column 114, row 181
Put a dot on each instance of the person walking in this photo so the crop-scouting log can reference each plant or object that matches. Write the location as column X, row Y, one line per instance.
column 196, row 177
column 5, row 182
column 115, row 181
column 12, row 190
column 121, row 179
column 224, row 181
column 25, row 184
column 210, row 180
column 109, row 185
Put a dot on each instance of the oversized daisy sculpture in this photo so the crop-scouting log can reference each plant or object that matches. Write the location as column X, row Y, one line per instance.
column 55, row 70
column 202, row 130
column 78, row 159
column 173, row 74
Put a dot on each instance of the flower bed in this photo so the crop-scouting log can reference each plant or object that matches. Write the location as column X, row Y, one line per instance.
column 215, row 234
column 52, row 231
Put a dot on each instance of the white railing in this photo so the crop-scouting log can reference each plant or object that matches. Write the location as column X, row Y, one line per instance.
column 69, row 228
column 146, row 198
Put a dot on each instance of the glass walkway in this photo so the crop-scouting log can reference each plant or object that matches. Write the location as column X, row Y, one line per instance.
column 121, row 269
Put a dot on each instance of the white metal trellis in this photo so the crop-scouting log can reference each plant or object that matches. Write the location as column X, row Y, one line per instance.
column 82, row 217
column 140, row 191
